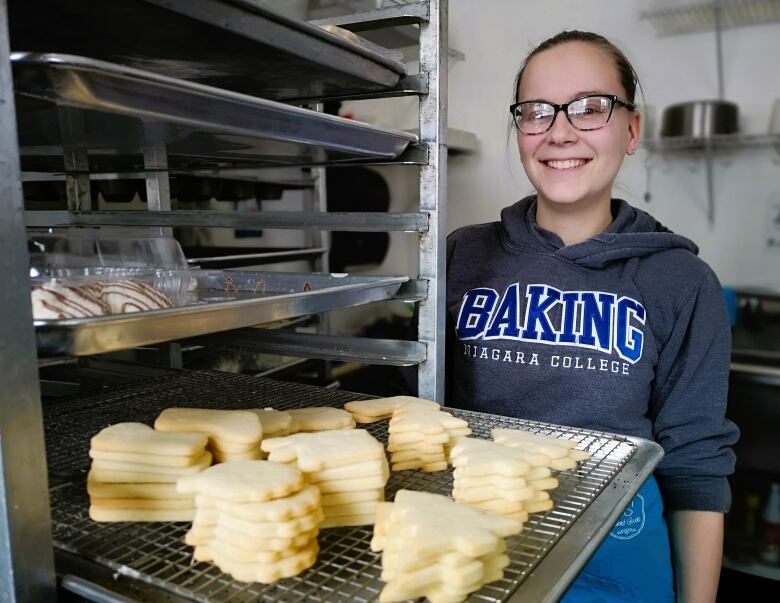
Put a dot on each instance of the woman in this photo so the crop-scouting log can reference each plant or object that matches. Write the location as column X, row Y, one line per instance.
column 578, row 309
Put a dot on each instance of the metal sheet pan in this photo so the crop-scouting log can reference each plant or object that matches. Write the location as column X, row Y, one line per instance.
column 223, row 300
column 152, row 558
column 233, row 44
column 117, row 110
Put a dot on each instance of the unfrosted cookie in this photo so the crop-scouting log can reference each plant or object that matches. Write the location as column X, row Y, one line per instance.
column 499, row 480
column 351, row 497
column 471, row 495
column 435, row 548
column 353, row 485
column 343, row 521
column 238, row 426
column 198, row 465
column 325, row 449
column 244, row 481
column 275, row 423
column 281, row 509
column 146, row 460
column 266, row 573
column 228, row 457
column 237, row 554
column 320, row 418
column 538, row 506
column 561, row 451
column 98, row 489
column 500, row 505
column 371, row 468
column 143, row 503
column 260, row 529
column 425, row 421
column 519, row 435
column 101, row 514
column 382, row 408
column 428, row 467
column 483, row 457
column 137, row 438
column 199, row 535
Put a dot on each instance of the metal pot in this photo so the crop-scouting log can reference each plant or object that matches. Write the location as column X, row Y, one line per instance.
column 700, row 119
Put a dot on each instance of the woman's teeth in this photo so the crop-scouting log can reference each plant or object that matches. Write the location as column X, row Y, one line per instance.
column 566, row 164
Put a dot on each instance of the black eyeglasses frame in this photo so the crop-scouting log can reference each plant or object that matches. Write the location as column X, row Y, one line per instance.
column 616, row 100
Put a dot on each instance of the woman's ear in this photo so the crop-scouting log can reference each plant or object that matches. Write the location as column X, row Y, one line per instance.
column 634, row 132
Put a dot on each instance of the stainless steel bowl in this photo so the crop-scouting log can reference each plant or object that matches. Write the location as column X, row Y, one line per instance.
column 700, row 119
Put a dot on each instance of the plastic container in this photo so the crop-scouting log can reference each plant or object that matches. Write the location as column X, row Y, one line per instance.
column 78, row 273
column 60, row 252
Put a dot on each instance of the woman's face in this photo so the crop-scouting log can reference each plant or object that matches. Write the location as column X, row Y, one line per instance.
column 565, row 165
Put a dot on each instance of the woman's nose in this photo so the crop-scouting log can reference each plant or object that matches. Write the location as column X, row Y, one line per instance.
column 561, row 130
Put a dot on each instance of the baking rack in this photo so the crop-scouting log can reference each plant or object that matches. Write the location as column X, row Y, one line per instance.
column 545, row 557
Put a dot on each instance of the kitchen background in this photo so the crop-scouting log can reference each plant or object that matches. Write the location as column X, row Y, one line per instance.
column 738, row 234
column 736, row 225
column 489, row 40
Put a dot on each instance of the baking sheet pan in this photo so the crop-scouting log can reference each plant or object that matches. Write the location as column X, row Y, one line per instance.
column 114, row 111
column 233, row 44
column 222, row 300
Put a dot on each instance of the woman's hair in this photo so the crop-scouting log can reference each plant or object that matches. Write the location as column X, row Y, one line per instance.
column 628, row 76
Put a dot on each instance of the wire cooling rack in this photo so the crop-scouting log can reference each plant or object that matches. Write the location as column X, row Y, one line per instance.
column 544, row 557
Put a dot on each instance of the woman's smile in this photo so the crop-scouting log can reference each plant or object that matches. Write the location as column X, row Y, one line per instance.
column 565, row 165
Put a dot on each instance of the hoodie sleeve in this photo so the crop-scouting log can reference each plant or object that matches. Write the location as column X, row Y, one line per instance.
column 689, row 403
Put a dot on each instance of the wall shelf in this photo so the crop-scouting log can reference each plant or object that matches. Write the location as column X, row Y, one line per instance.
column 718, row 142
column 706, row 16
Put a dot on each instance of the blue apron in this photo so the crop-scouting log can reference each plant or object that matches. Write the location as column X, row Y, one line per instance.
column 633, row 562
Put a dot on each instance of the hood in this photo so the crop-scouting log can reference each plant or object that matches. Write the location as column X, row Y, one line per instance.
column 633, row 233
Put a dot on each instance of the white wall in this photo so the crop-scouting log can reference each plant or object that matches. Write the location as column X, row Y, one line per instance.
column 495, row 35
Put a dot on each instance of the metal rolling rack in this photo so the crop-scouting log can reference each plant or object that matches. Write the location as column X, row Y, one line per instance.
column 150, row 562
column 26, row 559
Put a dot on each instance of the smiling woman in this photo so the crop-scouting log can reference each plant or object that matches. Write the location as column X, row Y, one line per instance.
column 579, row 309
column 571, row 167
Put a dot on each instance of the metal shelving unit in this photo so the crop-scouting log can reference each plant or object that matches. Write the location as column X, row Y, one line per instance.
column 141, row 90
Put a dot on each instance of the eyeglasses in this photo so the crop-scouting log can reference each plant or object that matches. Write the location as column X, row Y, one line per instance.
column 584, row 113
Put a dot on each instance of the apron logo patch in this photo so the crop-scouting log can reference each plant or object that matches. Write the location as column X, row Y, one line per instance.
column 633, row 520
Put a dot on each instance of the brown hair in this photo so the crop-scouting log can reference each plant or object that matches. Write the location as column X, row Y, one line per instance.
column 626, row 72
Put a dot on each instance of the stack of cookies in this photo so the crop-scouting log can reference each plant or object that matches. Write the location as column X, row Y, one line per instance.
column 562, row 452
column 349, row 468
column 421, row 438
column 275, row 423
column 377, row 409
column 433, row 547
column 256, row 520
column 135, row 469
column 234, row 435
column 500, row 479
column 320, row 418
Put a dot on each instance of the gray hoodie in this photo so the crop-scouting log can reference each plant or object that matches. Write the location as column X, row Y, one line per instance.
column 626, row 332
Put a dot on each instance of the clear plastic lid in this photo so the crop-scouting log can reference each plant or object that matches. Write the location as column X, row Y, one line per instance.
column 62, row 252
column 76, row 273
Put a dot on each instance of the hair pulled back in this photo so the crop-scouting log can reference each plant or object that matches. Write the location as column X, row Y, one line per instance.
column 626, row 72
